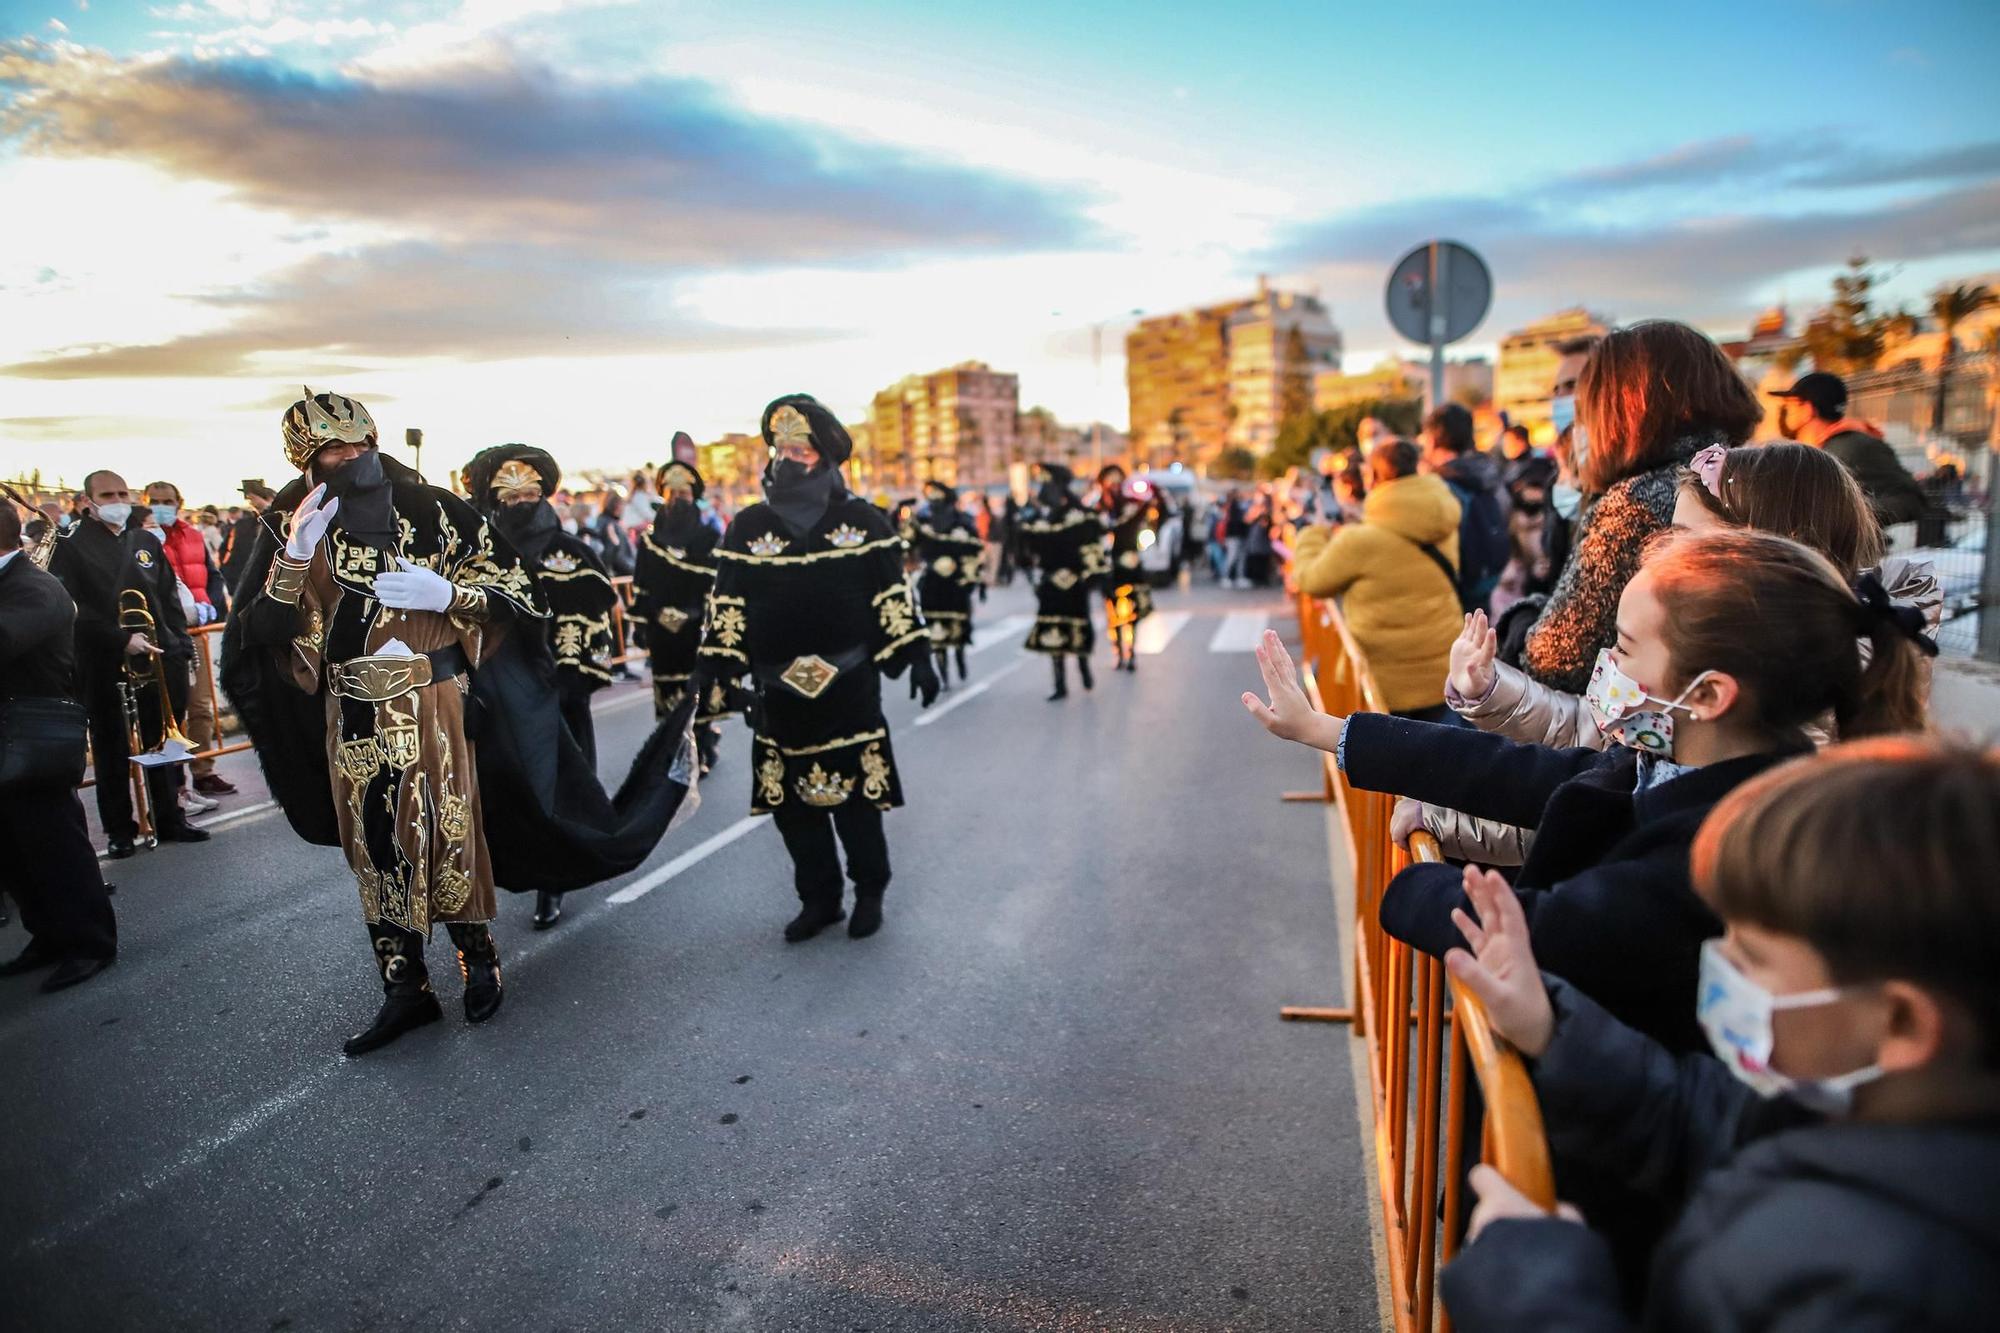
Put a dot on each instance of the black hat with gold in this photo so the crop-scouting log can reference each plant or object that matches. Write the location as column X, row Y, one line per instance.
column 503, row 472
column 681, row 469
column 800, row 416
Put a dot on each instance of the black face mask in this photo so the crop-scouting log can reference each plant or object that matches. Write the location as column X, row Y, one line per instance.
column 367, row 509
column 799, row 495
column 677, row 521
column 528, row 528
column 1053, row 495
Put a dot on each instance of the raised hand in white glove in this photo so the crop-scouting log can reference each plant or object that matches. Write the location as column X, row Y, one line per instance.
column 414, row 588
column 309, row 522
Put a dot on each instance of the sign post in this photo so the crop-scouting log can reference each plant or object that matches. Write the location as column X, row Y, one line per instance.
column 1437, row 294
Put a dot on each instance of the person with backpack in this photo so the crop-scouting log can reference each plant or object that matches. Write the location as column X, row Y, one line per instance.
column 1484, row 543
column 1396, row 573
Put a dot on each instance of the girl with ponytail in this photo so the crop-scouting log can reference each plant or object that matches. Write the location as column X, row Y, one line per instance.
column 1729, row 645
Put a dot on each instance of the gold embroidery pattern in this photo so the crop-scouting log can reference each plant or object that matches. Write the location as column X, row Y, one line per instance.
column 944, row 566
column 771, row 779
column 1053, row 637
column 453, row 890
column 809, row 675
column 846, row 535
column 767, row 545
column 454, row 817
column 759, row 558
column 371, row 896
column 560, row 562
column 359, row 759
column 823, row 790
column 874, row 773
column 568, row 641
column 1064, row 579
column 897, row 617
column 672, row 618
column 789, row 426
column 728, row 624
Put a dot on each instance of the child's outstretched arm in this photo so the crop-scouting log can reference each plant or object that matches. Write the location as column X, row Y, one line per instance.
column 1289, row 714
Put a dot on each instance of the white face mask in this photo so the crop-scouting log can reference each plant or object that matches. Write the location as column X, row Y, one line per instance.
column 1736, row 1012
column 1565, row 499
column 114, row 514
column 1616, row 703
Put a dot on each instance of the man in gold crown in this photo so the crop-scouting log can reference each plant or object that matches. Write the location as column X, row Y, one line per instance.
column 810, row 601
column 510, row 484
column 385, row 594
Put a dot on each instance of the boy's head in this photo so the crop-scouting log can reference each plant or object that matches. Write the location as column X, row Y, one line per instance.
column 1866, row 872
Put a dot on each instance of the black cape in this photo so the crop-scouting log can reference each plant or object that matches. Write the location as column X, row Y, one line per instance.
column 550, row 825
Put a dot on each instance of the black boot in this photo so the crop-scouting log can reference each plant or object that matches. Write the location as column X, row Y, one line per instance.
column 1062, row 681
column 867, row 916
column 478, row 968
column 811, row 920
column 707, row 746
column 1083, row 671
column 548, row 909
column 960, row 651
column 408, row 1002
column 944, row 667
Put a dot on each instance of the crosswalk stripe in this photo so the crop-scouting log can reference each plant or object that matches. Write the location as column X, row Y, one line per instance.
column 1239, row 632
column 1157, row 630
column 1003, row 631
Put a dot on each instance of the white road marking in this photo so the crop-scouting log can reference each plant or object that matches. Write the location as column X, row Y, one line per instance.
column 999, row 634
column 967, row 694
column 1157, row 630
column 1239, row 632
column 231, row 816
column 636, row 696
column 688, row 859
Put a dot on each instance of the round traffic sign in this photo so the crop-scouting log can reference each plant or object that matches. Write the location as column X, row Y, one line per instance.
column 1439, row 292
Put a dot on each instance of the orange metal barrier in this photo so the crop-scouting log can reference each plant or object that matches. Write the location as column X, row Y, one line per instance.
column 1400, row 1007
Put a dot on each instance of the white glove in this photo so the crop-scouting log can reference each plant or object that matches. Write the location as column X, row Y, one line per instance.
column 309, row 522
column 414, row 589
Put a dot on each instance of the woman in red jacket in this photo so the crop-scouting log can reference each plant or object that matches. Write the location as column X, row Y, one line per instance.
column 187, row 552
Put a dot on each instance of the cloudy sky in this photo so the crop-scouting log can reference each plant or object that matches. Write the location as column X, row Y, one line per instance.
column 586, row 225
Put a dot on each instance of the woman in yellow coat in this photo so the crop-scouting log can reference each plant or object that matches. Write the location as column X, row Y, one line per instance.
column 1395, row 574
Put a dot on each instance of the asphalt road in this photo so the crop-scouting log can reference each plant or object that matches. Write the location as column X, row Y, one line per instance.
column 1053, row 1093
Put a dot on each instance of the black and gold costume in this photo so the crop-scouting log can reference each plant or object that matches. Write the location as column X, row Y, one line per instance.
column 383, row 763
column 574, row 585
column 1128, row 598
column 1064, row 543
column 810, row 604
column 948, row 553
column 671, row 582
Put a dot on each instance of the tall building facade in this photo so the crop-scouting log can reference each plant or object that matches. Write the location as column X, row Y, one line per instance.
column 1202, row 380
column 1528, row 360
column 957, row 425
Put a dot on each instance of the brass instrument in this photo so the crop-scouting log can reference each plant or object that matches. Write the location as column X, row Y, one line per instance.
column 40, row 549
column 135, row 616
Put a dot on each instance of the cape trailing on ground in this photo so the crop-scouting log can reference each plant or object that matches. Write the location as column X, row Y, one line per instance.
column 549, row 823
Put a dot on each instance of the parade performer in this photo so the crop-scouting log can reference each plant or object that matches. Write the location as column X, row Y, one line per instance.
column 948, row 552
column 1065, row 544
column 510, row 484
column 811, row 603
column 384, row 596
column 1122, row 507
column 674, row 575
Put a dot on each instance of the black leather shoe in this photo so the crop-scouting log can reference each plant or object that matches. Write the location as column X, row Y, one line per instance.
column 403, row 1011
column 548, row 910
column 31, row 959
column 1083, row 672
column 867, row 918
column 73, row 971
column 811, row 921
column 119, row 848
column 479, row 969
column 184, row 833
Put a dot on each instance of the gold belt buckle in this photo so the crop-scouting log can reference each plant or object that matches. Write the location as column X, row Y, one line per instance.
column 376, row 679
column 809, row 675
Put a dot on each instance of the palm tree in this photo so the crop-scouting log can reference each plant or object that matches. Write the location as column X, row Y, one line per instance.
column 1950, row 306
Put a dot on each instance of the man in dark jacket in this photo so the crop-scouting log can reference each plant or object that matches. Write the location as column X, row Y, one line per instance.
column 241, row 537
column 49, row 868
column 97, row 561
column 1483, row 543
column 1814, row 411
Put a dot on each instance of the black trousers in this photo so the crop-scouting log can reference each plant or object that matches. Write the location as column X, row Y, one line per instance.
column 110, row 752
column 575, row 708
column 50, row 869
column 809, row 837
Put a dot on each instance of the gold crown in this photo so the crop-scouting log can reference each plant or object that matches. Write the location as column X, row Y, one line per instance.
column 515, row 475
column 311, row 425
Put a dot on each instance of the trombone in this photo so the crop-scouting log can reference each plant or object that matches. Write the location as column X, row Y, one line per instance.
column 135, row 616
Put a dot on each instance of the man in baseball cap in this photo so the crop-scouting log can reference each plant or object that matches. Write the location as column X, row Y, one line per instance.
column 1814, row 411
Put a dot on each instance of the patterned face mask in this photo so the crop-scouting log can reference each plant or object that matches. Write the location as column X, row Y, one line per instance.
column 1735, row 1013
column 1618, row 704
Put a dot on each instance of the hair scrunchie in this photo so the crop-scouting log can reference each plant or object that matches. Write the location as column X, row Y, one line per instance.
column 1876, row 606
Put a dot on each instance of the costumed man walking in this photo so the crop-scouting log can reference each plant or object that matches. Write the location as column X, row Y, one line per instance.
column 1064, row 543
column 948, row 551
column 1128, row 598
column 810, row 601
column 672, row 578
column 510, row 485
column 386, row 592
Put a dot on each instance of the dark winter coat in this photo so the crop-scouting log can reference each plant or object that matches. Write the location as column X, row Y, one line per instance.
column 1605, row 887
column 1892, row 492
column 1790, row 1226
